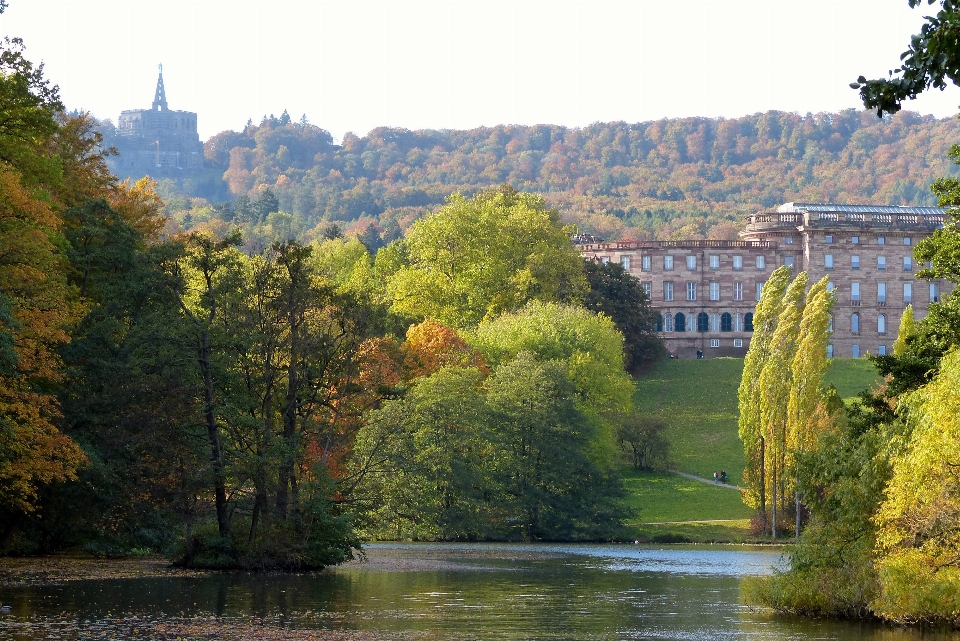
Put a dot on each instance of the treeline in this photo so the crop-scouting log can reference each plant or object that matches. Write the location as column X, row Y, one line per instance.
column 879, row 481
column 668, row 179
column 271, row 406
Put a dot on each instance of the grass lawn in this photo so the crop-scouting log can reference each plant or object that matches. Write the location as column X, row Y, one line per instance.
column 698, row 401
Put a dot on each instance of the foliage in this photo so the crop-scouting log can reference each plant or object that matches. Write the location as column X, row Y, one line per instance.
column 931, row 61
column 907, row 330
column 666, row 179
column 620, row 296
column 475, row 259
column 645, row 438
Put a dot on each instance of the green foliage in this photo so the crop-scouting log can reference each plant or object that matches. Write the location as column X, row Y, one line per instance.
column 475, row 259
column 908, row 329
column 620, row 296
column 648, row 446
column 931, row 61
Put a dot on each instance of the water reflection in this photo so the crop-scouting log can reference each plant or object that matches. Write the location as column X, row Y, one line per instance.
column 452, row 592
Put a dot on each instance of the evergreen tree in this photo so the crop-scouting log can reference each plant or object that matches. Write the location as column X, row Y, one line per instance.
column 907, row 329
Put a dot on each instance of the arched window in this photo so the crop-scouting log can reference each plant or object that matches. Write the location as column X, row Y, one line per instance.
column 881, row 324
column 659, row 323
column 726, row 322
column 830, row 327
column 738, row 323
column 680, row 322
column 748, row 322
column 703, row 322
column 714, row 322
column 668, row 323
column 855, row 323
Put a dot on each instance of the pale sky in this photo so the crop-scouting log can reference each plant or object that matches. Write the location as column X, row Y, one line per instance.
column 355, row 65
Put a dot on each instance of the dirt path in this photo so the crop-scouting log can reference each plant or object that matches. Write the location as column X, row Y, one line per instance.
column 703, row 480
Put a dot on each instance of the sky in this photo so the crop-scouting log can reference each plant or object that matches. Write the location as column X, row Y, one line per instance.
column 457, row 64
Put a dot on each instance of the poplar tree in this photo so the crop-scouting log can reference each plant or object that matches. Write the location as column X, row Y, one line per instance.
column 775, row 384
column 808, row 369
column 907, row 329
column 750, row 425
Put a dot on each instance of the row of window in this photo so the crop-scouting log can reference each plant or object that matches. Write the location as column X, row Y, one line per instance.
column 855, row 323
column 855, row 351
column 692, row 290
column 703, row 322
column 646, row 262
column 855, row 289
column 855, row 240
column 881, row 262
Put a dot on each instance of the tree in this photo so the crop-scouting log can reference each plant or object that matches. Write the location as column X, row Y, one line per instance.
column 751, row 428
column 907, row 329
column 620, row 296
column 478, row 258
column 649, row 446
column 931, row 61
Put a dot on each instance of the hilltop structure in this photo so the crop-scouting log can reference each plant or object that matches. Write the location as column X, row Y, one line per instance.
column 706, row 290
column 158, row 141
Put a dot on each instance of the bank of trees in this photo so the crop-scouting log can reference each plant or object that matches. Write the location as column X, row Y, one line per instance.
column 236, row 404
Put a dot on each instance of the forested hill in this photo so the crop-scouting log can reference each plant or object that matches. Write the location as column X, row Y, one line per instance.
column 675, row 178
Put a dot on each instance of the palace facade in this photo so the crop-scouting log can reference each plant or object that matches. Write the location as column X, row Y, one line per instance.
column 707, row 290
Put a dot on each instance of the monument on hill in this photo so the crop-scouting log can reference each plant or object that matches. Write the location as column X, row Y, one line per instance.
column 158, row 141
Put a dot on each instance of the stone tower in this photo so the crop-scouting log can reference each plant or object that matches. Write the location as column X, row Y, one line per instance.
column 158, row 141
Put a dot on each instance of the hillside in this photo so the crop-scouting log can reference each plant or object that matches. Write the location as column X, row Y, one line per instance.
column 672, row 178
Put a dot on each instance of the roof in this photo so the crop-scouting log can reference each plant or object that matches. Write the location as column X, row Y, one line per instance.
column 799, row 208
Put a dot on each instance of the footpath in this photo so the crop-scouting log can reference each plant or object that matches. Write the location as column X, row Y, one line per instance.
column 703, row 480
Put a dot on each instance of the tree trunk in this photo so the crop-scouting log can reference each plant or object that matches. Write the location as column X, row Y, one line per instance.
column 773, row 502
column 763, row 486
column 213, row 436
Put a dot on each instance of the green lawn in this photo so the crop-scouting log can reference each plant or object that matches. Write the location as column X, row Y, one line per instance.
column 698, row 401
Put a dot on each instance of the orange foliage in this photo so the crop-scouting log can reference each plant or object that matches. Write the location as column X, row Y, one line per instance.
column 140, row 207
column 432, row 345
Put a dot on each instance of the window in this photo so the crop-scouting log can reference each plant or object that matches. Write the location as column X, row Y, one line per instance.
column 934, row 293
column 714, row 322
column 668, row 323
column 738, row 323
column 881, row 240
column 828, row 261
column 714, row 291
column 881, row 292
column 761, row 262
column 906, row 240
column 881, row 262
column 881, row 324
column 647, row 288
column 738, row 291
column 691, row 262
column 738, row 342
column 625, row 262
column 830, row 325
column 788, row 261
column 854, row 262
column 759, row 291
column 668, row 291
column 828, row 239
column 714, row 262
column 726, row 322
column 855, row 292
column 855, row 323
column 645, row 263
column 680, row 322
column 668, row 262
column 856, row 351
column 703, row 322
column 659, row 327
column 788, row 240
column 907, row 263
column 908, row 292
column 829, row 351
column 738, row 262
column 714, row 342
column 881, row 350
column 855, row 240
column 605, row 259
column 691, row 291
column 748, row 322
column 829, row 286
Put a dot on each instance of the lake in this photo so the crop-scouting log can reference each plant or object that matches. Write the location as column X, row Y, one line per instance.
column 436, row 591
